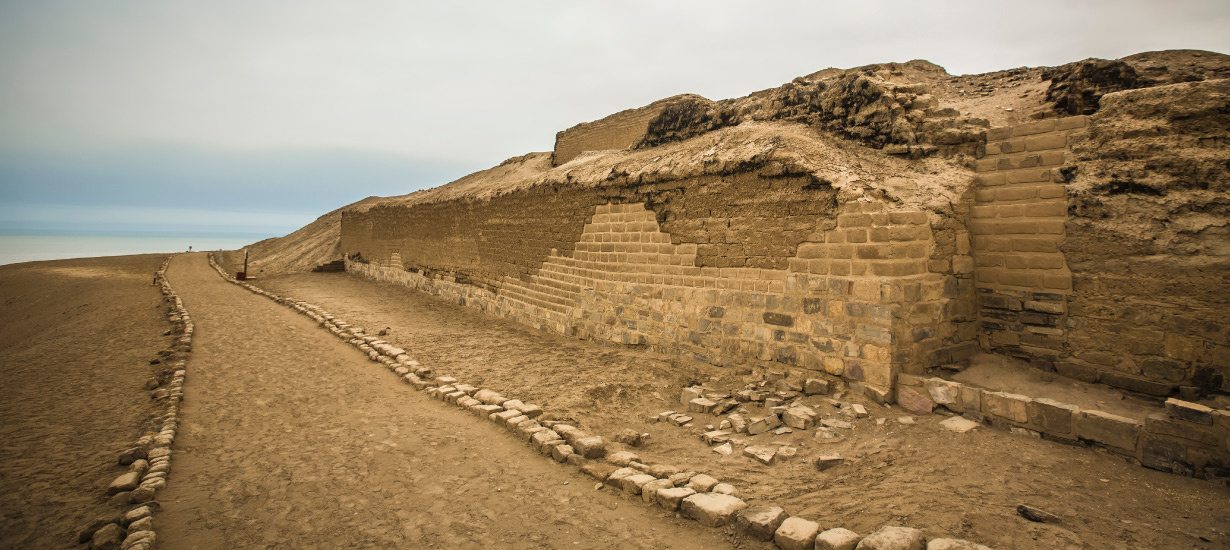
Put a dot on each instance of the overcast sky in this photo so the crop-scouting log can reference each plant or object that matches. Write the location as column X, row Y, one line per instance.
column 262, row 115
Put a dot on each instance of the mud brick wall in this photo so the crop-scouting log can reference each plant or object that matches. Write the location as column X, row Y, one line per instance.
column 734, row 269
column 618, row 131
column 1017, row 223
column 1122, row 317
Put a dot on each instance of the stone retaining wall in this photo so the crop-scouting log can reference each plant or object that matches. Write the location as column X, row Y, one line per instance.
column 1117, row 318
column 853, row 295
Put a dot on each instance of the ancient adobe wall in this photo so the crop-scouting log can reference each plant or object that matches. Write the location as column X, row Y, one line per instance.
column 1121, row 315
column 1017, row 223
column 618, row 131
column 735, row 269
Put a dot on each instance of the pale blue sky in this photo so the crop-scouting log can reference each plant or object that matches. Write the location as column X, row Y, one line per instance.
column 262, row 115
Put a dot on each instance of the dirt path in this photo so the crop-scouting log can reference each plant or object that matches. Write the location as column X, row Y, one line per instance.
column 291, row 439
column 76, row 337
column 919, row 475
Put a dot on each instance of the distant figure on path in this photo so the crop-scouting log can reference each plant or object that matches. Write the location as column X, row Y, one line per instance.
column 189, row 248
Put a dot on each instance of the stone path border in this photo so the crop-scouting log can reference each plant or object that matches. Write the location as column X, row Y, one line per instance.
column 149, row 458
column 694, row 495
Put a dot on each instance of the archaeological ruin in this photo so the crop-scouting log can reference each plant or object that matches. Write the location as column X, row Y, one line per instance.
column 879, row 226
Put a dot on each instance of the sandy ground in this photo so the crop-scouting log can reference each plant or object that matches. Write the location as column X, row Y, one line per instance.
column 292, row 439
column 76, row 337
column 961, row 485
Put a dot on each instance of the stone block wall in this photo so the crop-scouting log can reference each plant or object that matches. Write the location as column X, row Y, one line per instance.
column 783, row 279
column 1120, row 319
column 1017, row 225
column 618, row 131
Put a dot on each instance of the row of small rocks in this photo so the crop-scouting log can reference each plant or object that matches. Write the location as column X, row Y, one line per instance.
column 693, row 495
column 149, row 458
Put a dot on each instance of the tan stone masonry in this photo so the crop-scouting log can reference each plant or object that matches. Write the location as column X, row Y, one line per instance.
column 858, row 302
column 1017, row 223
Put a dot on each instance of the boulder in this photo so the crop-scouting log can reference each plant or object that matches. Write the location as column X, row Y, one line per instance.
column 837, row 539
column 760, row 522
column 894, row 538
column 711, row 509
column 796, row 534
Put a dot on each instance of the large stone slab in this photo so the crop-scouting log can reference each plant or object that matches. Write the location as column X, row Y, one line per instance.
column 760, row 522
column 1009, row 406
column 1108, row 429
column 1052, row 416
column 894, row 538
column 711, row 509
column 672, row 498
column 796, row 534
column 837, row 539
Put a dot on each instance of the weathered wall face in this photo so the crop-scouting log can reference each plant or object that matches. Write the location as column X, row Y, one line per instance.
column 731, row 269
column 1149, row 240
column 618, row 131
column 1017, row 224
column 1101, row 243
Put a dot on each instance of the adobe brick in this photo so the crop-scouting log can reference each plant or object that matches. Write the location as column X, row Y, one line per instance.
column 1057, row 282
column 1046, row 141
column 818, row 267
column 996, row 134
column 1016, row 227
column 1016, row 193
column 1012, row 146
column 809, row 251
column 1031, row 128
column 1029, row 175
column 1052, row 191
column 989, row 260
column 984, row 195
column 1072, row 122
column 858, row 235
column 999, row 244
column 1050, row 227
column 1020, row 278
column 1045, row 209
column 1052, row 158
column 907, row 233
column 1009, row 211
column 1035, row 261
column 853, row 220
column 840, row 268
column 982, row 227
column 992, row 149
column 991, row 179
column 983, row 211
column 916, row 217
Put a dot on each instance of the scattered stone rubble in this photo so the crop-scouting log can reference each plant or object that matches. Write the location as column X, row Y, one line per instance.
column 692, row 495
column 149, row 458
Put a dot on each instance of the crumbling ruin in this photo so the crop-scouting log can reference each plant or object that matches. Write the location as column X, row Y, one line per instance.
column 871, row 224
